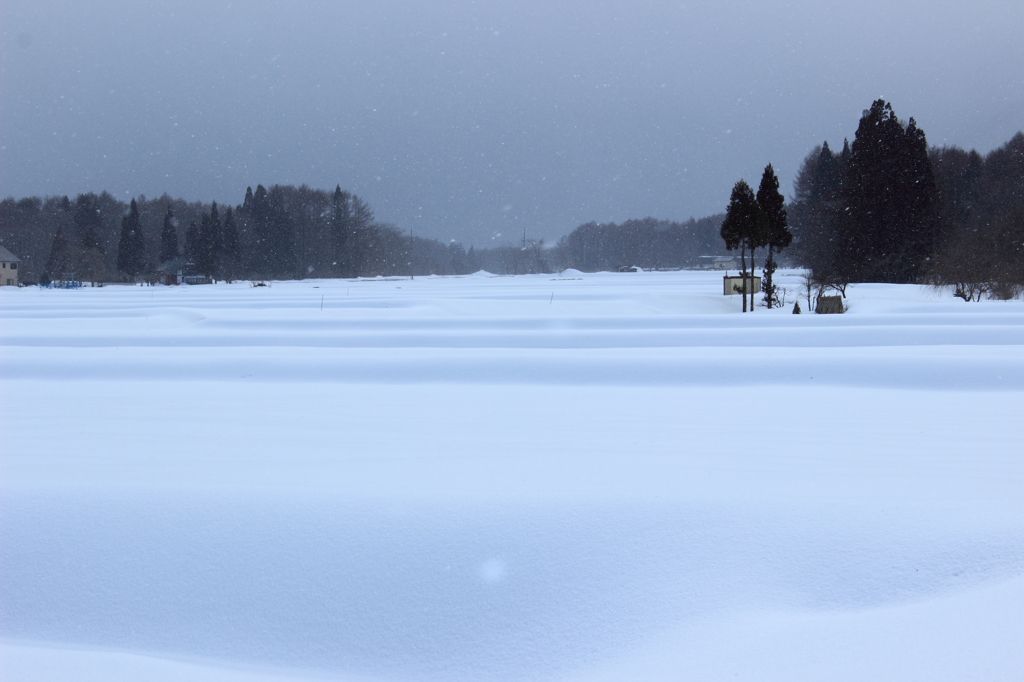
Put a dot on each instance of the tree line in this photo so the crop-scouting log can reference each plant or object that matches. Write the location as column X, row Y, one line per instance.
column 648, row 243
column 284, row 232
column 889, row 208
column 886, row 208
column 288, row 232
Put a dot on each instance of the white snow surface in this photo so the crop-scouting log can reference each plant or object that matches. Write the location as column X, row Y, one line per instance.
column 555, row 477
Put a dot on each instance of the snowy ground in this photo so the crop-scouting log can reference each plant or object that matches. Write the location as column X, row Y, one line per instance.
column 558, row 477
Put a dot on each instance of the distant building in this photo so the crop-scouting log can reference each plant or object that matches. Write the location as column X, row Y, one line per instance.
column 172, row 271
column 179, row 271
column 8, row 268
column 718, row 263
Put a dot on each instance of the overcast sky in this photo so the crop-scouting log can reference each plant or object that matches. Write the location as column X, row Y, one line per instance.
column 470, row 120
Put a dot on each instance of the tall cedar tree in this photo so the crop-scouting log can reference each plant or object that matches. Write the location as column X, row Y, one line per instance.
column 208, row 252
column 93, row 258
column 340, row 231
column 88, row 214
column 169, row 237
column 816, row 206
column 887, row 229
column 230, row 254
column 281, row 234
column 192, row 244
column 258, row 209
column 777, row 234
column 60, row 264
column 740, row 227
column 131, row 249
column 351, row 223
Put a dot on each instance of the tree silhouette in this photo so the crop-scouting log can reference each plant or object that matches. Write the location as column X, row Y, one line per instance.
column 131, row 249
column 230, row 249
column 743, row 229
column 776, row 225
column 168, row 237
column 60, row 264
column 887, row 228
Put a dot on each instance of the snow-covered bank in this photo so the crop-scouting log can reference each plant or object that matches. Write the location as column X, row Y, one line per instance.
column 508, row 478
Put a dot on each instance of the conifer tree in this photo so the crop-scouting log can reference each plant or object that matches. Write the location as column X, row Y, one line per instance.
column 192, row 244
column 169, row 237
column 87, row 213
column 258, row 209
column 340, row 219
column 131, row 248
column 60, row 264
column 281, row 235
column 742, row 228
column 230, row 253
column 208, row 251
column 93, row 257
column 887, row 228
column 777, row 234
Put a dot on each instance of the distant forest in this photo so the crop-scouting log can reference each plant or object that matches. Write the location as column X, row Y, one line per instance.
column 886, row 208
column 288, row 232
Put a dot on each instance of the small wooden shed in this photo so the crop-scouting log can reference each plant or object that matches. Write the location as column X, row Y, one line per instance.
column 740, row 284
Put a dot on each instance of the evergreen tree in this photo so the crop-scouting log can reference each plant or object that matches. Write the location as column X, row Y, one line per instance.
column 192, row 244
column 169, row 237
column 340, row 219
column 60, row 264
column 816, row 206
column 131, row 248
column 209, row 246
column 351, row 232
column 742, row 228
column 216, row 238
column 203, row 256
column 87, row 213
column 281, row 235
column 93, row 257
column 230, row 253
column 258, row 208
column 887, row 228
column 777, row 234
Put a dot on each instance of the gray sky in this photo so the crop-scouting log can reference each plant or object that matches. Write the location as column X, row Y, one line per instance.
column 470, row 119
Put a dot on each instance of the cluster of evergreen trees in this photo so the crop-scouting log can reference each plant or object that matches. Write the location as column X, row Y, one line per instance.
column 889, row 209
column 284, row 232
column 757, row 221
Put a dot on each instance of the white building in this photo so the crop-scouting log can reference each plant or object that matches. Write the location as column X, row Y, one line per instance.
column 8, row 268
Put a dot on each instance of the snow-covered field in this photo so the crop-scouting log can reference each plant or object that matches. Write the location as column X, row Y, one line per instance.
column 552, row 477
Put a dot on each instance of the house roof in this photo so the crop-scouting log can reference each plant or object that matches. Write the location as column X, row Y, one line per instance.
column 6, row 255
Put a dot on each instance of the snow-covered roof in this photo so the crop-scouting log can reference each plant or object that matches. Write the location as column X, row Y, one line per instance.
column 7, row 256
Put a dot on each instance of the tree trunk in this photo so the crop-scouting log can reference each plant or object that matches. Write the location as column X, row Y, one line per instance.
column 743, row 272
column 752, row 265
column 768, row 278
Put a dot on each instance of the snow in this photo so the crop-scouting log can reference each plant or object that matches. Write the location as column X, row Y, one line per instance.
column 509, row 478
